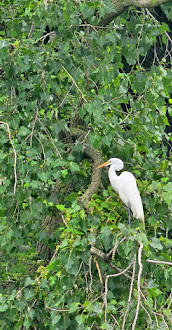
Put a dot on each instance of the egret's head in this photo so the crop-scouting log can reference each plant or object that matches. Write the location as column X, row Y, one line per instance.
column 116, row 162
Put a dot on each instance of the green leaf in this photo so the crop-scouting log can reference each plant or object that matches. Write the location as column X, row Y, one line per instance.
column 155, row 243
column 164, row 27
column 3, row 308
column 55, row 317
column 80, row 319
column 107, row 237
column 154, row 292
column 23, row 131
column 74, row 167
column 60, row 207
column 74, row 307
column 43, row 176
column 167, row 193
column 64, row 173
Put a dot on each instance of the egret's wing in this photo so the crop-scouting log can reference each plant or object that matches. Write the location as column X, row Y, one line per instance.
column 130, row 195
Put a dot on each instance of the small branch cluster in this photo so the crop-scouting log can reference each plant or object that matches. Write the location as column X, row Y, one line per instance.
column 107, row 257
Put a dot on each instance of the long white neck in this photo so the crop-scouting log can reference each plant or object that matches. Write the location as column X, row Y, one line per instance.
column 113, row 178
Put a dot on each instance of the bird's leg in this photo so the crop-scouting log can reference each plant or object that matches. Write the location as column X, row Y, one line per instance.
column 129, row 217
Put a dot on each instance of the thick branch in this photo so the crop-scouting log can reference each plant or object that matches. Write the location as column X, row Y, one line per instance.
column 120, row 6
column 96, row 156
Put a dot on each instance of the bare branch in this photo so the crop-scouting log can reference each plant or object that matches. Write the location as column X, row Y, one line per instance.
column 58, row 310
column 106, row 286
column 130, row 293
column 50, row 34
column 159, row 262
column 138, row 285
column 69, row 75
column 99, row 271
column 106, row 256
column 15, row 155
column 32, row 29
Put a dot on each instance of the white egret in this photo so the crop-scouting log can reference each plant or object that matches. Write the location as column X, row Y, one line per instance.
column 125, row 185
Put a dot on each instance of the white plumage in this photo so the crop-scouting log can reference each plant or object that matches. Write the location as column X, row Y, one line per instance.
column 125, row 185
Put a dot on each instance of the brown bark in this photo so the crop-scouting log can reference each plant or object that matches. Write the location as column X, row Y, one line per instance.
column 97, row 158
column 122, row 5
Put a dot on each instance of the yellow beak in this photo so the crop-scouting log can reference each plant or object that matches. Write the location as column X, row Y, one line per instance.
column 104, row 164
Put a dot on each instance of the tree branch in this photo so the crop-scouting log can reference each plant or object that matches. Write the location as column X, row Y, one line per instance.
column 159, row 262
column 97, row 158
column 130, row 293
column 120, row 6
column 138, row 285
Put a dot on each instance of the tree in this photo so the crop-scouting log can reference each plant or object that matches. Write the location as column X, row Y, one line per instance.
column 78, row 88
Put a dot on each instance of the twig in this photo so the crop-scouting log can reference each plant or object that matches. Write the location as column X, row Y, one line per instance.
column 32, row 29
column 99, row 271
column 159, row 262
column 110, row 254
column 54, row 254
column 60, row 105
column 139, row 37
column 15, row 155
column 116, row 246
column 150, row 320
column 43, row 151
column 130, row 293
column 52, row 33
column 115, row 321
column 91, row 277
column 63, row 219
column 50, row 137
column 33, row 126
column 147, row 303
column 170, row 297
column 69, row 75
column 106, row 257
column 58, row 310
column 138, row 285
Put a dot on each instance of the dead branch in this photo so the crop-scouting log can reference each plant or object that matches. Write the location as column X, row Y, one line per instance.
column 130, row 293
column 99, row 271
column 159, row 262
column 120, row 6
column 106, row 286
column 15, row 155
column 138, row 285
column 106, row 256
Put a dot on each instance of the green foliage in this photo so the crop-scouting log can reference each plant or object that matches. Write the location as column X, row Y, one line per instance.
column 61, row 74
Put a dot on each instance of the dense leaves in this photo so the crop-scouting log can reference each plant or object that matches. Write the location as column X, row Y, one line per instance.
column 68, row 85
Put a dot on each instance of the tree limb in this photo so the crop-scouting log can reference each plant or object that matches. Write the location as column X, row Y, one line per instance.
column 138, row 285
column 97, row 158
column 120, row 6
